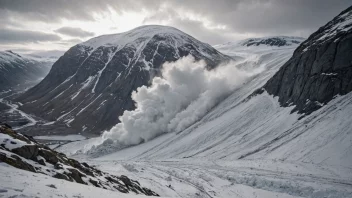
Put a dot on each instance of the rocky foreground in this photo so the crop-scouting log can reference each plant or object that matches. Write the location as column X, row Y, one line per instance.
column 25, row 153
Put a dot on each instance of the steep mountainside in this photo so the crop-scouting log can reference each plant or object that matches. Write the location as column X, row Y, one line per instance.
column 90, row 86
column 320, row 68
column 17, row 70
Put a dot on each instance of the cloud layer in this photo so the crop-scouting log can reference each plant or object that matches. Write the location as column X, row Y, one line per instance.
column 74, row 32
column 209, row 21
column 8, row 36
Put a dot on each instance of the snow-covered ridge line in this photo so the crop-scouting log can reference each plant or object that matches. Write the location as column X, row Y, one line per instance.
column 133, row 36
column 270, row 41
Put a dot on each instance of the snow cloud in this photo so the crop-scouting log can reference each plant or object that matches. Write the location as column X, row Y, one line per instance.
column 185, row 92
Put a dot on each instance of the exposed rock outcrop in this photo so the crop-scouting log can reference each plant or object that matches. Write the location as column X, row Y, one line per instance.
column 25, row 153
column 320, row 68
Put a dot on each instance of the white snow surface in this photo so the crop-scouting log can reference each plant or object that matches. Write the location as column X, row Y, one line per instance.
column 184, row 93
column 245, row 147
column 10, row 143
column 61, row 137
column 241, row 148
column 19, row 183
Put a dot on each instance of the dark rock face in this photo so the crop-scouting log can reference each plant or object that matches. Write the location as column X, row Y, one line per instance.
column 90, row 86
column 320, row 68
column 17, row 71
column 35, row 157
column 273, row 41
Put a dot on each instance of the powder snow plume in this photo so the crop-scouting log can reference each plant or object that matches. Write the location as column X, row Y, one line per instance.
column 184, row 94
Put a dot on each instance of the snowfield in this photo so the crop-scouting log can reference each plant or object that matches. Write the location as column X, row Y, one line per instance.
column 245, row 147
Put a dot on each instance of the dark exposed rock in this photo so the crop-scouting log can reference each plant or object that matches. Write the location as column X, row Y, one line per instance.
column 51, row 186
column 320, row 68
column 42, row 162
column 16, row 161
column 35, row 157
column 76, row 175
column 62, row 176
column 272, row 41
column 28, row 151
column 49, row 156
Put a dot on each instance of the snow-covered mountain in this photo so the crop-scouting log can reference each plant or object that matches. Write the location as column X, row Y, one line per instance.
column 253, row 144
column 18, row 71
column 90, row 86
column 257, row 43
column 278, row 41
column 51, row 55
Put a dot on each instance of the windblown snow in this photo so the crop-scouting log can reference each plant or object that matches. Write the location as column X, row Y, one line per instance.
column 184, row 93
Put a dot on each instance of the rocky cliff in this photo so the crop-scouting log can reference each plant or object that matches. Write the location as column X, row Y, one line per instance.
column 320, row 68
column 23, row 152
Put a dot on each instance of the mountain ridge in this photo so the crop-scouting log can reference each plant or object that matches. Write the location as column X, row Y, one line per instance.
column 98, row 76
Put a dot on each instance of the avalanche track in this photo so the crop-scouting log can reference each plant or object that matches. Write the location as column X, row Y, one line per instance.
column 246, row 147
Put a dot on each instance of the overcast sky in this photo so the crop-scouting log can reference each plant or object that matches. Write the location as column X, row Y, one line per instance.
column 59, row 24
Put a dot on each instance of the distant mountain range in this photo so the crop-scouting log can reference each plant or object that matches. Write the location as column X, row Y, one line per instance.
column 19, row 71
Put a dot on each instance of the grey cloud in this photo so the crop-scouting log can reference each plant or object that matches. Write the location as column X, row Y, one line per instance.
column 245, row 17
column 8, row 36
column 74, row 32
column 70, row 42
column 268, row 17
column 250, row 17
column 44, row 10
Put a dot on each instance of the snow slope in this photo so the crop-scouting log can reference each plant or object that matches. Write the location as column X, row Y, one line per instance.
column 245, row 147
column 19, row 183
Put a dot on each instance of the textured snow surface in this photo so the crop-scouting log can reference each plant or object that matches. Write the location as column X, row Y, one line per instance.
column 245, row 147
column 19, row 183
column 344, row 24
column 9, row 143
column 58, row 137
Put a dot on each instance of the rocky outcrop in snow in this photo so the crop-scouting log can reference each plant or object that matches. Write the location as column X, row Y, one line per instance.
column 25, row 153
column 90, row 86
column 277, row 41
column 320, row 68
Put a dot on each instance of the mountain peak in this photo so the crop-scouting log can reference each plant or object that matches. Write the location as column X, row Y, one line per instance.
column 138, row 35
column 91, row 76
